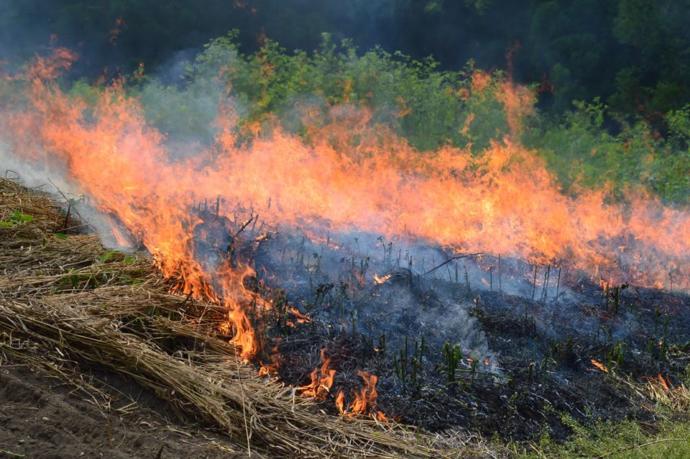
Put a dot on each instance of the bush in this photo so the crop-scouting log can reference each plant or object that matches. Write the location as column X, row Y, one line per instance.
column 428, row 107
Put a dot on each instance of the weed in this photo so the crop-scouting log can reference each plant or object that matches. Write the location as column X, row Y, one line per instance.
column 16, row 218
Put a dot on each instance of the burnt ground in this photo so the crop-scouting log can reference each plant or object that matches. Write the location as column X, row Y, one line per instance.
column 523, row 360
column 44, row 416
column 543, row 367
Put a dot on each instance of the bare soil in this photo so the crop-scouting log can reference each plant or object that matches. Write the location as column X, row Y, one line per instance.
column 42, row 416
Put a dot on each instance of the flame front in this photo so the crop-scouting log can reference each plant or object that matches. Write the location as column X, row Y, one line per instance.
column 503, row 202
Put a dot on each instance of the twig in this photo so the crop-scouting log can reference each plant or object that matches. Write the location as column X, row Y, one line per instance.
column 243, row 227
column 69, row 203
column 184, row 302
column 457, row 257
column 7, row 174
column 67, row 214
column 544, row 291
column 558, row 282
column 500, row 283
column 244, row 404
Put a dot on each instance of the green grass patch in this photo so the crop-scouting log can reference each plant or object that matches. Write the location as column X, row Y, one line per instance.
column 626, row 439
column 16, row 218
column 115, row 256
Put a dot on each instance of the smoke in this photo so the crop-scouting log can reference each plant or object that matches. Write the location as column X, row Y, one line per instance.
column 185, row 111
column 360, row 228
column 148, row 31
column 357, row 281
column 67, row 194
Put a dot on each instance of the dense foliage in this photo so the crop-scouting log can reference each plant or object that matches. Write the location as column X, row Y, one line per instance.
column 610, row 79
column 633, row 54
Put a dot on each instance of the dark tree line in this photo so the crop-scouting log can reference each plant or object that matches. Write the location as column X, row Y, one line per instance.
column 633, row 54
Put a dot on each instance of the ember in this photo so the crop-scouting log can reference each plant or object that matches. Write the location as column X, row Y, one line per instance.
column 599, row 366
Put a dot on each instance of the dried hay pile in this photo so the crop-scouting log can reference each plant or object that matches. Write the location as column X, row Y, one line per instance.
column 64, row 297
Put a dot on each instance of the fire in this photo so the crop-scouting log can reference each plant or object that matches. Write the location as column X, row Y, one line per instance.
column 504, row 202
column 340, row 402
column 663, row 382
column 49, row 69
column 352, row 174
column 300, row 318
column 364, row 400
column 599, row 366
column 271, row 369
column 378, row 280
column 321, row 379
column 239, row 301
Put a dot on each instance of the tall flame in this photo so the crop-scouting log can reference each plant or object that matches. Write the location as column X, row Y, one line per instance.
column 349, row 176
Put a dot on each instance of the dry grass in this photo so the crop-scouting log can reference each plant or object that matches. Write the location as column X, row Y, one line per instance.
column 58, row 297
column 676, row 398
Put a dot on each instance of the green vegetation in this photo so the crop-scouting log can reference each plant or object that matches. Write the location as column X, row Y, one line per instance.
column 408, row 366
column 452, row 355
column 583, row 153
column 14, row 219
column 617, row 440
column 633, row 54
column 587, row 147
column 419, row 101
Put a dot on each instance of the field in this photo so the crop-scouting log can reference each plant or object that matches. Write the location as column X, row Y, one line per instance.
column 335, row 253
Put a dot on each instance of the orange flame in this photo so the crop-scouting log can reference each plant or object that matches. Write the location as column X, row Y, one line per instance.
column 340, row 402
column 378, row 280
column 271, row 369
column 51, row 67
column 505, row 202
column 663, row 382
column 300, row 318
column 599, row 366
column 364, row 400
column 321, row 379
column 239, row 300
column 352, row 174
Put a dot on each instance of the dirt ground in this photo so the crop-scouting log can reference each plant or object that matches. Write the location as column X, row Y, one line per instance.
column 42, row 416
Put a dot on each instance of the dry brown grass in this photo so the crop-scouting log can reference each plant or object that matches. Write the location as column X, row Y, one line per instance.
column 676, row 398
